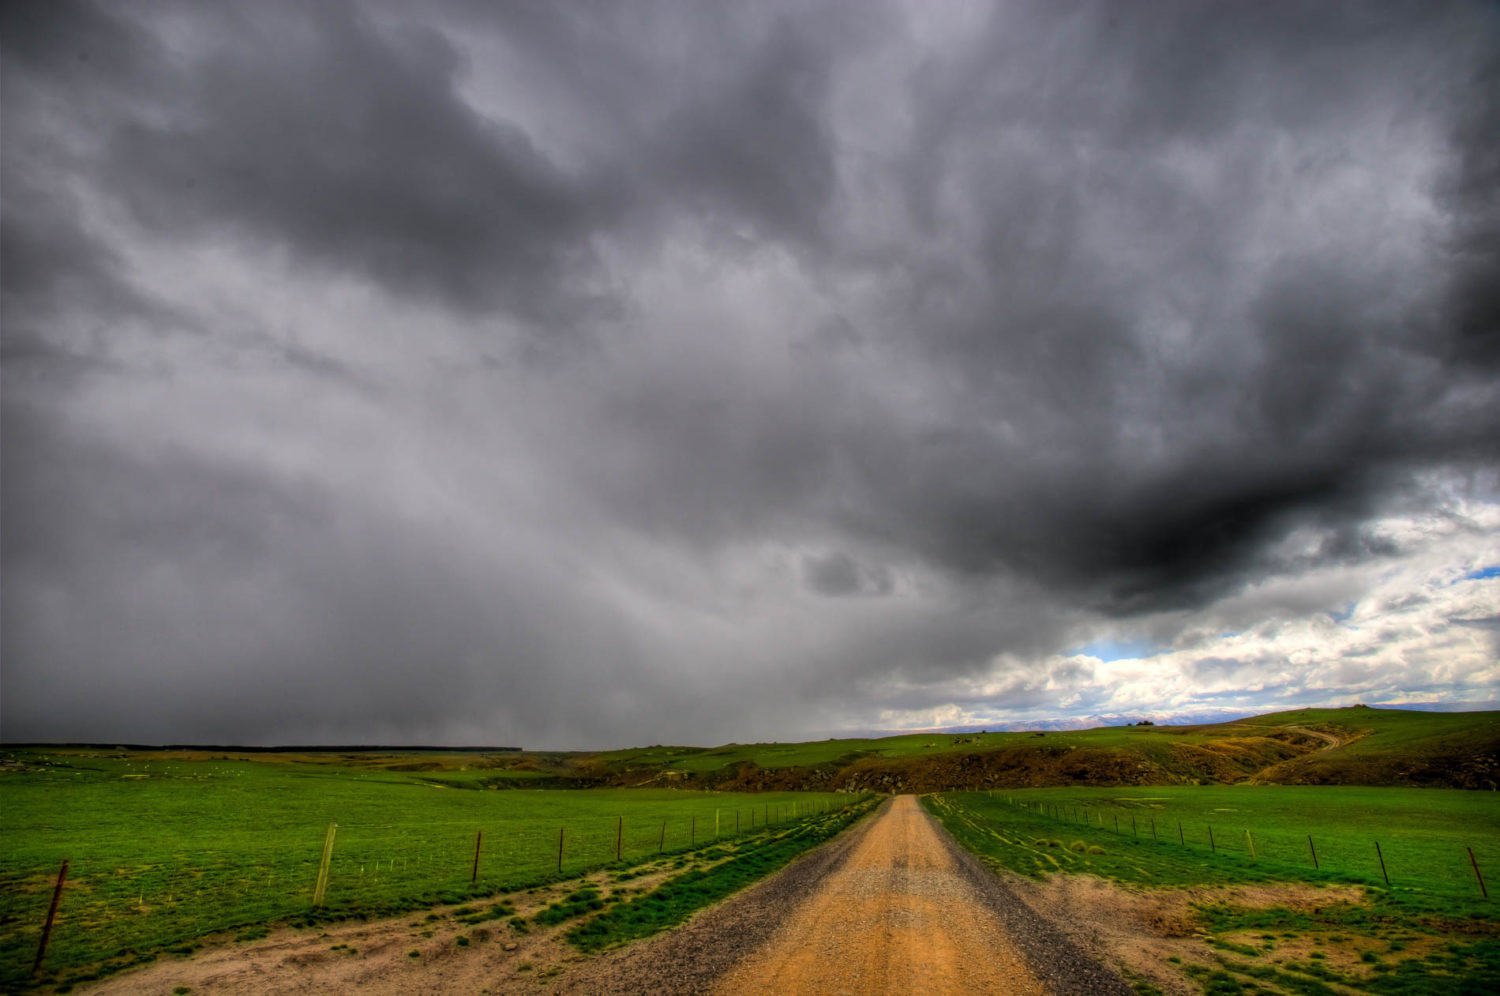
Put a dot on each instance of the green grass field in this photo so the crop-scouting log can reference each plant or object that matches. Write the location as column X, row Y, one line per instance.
column 1433, row 901
column 163, row 851
column 1423, row 835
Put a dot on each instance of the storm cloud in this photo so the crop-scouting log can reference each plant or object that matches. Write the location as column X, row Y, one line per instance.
column 572, row 375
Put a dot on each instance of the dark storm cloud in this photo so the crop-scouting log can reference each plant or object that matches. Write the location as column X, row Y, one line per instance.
column 1475, row 192
column 840, row 574
column 319, row 621
column 318, row 130
column 1012, row 316
column 1152, row 472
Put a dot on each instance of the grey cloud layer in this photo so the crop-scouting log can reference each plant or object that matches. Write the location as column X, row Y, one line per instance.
column 803, row 358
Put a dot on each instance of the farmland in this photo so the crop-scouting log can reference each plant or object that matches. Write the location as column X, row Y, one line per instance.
column 1201, row 838
column 169, row 845
column 164, row 849
column 1350, row 746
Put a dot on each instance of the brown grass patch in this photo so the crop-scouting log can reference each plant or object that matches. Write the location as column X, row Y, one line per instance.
column 1141, row 929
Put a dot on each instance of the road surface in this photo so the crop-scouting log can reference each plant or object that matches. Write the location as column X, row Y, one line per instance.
column 892, row 907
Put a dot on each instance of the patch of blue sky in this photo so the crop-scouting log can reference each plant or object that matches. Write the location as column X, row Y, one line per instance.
column 1116, row 650
column 1483, row 573
column 1341, row 615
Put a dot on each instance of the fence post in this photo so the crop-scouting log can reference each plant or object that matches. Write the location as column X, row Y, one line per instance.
column 1132, row 826
column 1211, row 845
column 1180, row 839
column 559, row 848
column 1483, row 891
column 1382, row 863
column 1117, row 822
column 661, row 844
column 41, row 949
column 619, row 835
column 693, row 832
column 1153, row 828
column 322, row 885
column 1314, row 851
column 478, row 836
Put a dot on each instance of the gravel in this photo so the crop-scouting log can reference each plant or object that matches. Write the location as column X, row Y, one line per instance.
column 687, row 960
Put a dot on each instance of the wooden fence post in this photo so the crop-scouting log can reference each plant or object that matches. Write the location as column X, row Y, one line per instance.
column 1314, row 851
column 693, row 832
column 41, row 949
column 1211, row 845
column 559, row 848
column 478, row 837
column 1382, row 863
column 1483, row 891
column 661, row 844
column 1153, row 828
column 1180, row 839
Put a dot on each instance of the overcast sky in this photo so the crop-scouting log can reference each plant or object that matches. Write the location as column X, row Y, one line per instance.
column 579, row 374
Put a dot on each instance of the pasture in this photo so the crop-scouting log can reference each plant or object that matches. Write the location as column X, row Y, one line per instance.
column 165, row 849
column 1425, row 926
column 1185, row 835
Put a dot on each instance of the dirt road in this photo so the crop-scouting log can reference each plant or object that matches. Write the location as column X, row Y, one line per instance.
column 893, row 907
column 898, row 917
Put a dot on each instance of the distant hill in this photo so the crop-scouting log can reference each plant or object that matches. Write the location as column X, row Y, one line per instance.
column 1358, row 745
column 1352, row 746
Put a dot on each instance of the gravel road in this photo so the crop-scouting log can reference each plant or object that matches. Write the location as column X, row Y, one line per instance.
column 892, row 907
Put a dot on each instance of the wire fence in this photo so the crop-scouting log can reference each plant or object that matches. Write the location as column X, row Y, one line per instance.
column 1403, row 857
column 111, row 910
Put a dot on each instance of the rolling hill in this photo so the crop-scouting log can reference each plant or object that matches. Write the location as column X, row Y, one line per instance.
column 1357, row 745
column 1350, row 746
